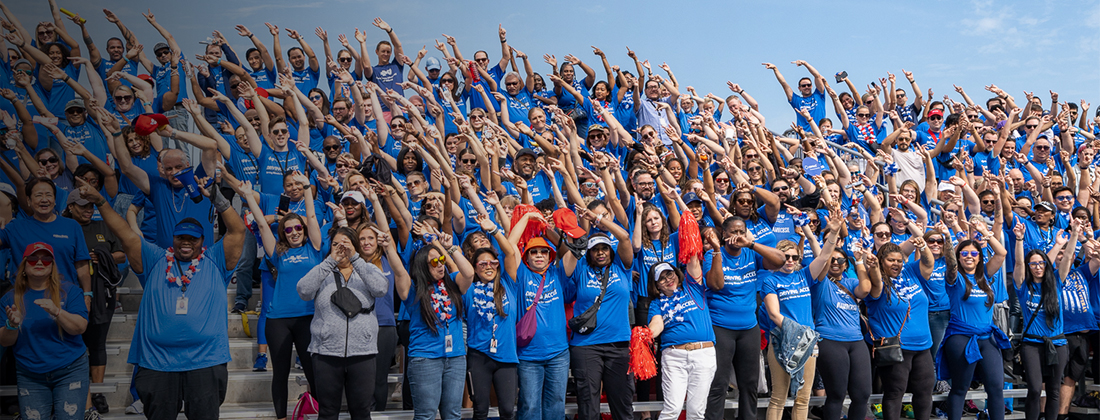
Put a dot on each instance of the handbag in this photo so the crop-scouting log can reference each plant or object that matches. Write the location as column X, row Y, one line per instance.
column 528, row 324
column 886, row 351
column 345, row 300
column 585, row 323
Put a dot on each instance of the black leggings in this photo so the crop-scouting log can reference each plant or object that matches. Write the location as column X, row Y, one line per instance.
column 283, row 335
column 741, row 348
column 961, row 373
column 95, row 338
column 915, row 373
column 485, row 372
column 1036, row 371
column 845, row 366
column 387, row 346
column 337, row 375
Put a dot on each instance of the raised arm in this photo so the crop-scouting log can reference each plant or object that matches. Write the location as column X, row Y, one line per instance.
column 782, row 82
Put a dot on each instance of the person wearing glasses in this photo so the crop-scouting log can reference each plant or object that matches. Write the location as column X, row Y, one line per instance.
column 810, row 97
column 290, row 255
column 276, row 158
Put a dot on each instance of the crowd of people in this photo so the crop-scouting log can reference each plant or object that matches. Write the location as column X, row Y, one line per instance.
column 512, row 236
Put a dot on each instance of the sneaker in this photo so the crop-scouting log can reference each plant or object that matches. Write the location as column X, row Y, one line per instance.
column 136, row 408
column 970, row 408
column 261, row 363
column 942, row 387
column 238, row 308
column 876, row 409
column 91, row 414
column 297, row 363
column 100, row 403
column 907, row 411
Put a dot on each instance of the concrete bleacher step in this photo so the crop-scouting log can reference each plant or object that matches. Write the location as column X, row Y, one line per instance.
column 245, row 386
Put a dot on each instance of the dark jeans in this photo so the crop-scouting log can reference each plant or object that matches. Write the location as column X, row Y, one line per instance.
column 246, row 271
column 916, row 374
column 606, row 366
column 741, row 348
column 337, row 375
column 485, row 372
column 283, row 336
column 961, row 373
column 845, row 367
column 1036, row 371
column 201, row 390
column 387, row 346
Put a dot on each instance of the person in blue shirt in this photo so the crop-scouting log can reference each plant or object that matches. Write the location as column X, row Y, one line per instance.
column 1043, row 349
column 653, row 244
column 897, row 307
column 811, row 93
column 42, row 224
column 491, row 315
column 390, row 71
column 971, row 337
column 43, row 320
column 259, row 59
column 181, row 355
column 757, row 220
column 379, row 248
column 437, row 346
column 732, row 278
column 601, row 289
column 845, row 361
column 295, row 251
column 679, row 311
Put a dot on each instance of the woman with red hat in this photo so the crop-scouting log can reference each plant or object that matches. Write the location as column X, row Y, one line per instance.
column 43, row 319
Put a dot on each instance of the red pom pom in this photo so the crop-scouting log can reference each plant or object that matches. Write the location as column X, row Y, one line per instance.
column 534, row 227
column 691, row 244
column 642, row 363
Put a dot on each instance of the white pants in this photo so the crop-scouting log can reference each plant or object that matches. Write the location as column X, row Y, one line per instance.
column 686, row 373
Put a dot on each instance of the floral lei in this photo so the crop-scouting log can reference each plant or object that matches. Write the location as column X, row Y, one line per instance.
column 441, row 302
column 169, row 255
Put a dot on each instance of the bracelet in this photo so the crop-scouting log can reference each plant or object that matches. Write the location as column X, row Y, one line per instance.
column 453, row 249
column 503, row 40
column 89, row 294
column 116, row 134
column 219, row 63
column 8, row 325
column 493, row 232
column 860, row 262
column 125, row 60
column 390, row 31
column 66, row 79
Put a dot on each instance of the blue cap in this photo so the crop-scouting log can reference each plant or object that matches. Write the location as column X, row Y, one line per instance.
column 432, row 63
column 187, row 228
column 691, row 196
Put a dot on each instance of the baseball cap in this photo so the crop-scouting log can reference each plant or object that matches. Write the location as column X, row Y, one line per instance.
column 187, row 228
column 354, row 195
column 146, row 124
column 596, row 127
column 660, row 269
column 946, row 186
column 566, row 220
column 935, row 112
column 7, row 188
column 37, row 246
column 599, row 240
column 75, row 103
column 432, row 63
column 690, row 197
column 145, row 77
column 160, row 46
column 1045, row 205
column 74, row 197
column 525, row 152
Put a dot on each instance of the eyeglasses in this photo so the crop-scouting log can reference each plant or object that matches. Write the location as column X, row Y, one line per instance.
column 280, row 131
column 295, row 228
column 469, row 161
column 935, row 241
column 780, row 188
column 340, row 109
column 1064, row 198
column 436, row 262
column 488, row 263
column 789, row 257
column 667, row 279
column 1029, row 126
column 1036, row 264
column 345, row 59
column 332, row 147
column 540, row 251
column 124, row 98
column 74, row 111
column 647, row 184
column 46, row 260
column 969, row 253
column 882, row 234
column 52, row 159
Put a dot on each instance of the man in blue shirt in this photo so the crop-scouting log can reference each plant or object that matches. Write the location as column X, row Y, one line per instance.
column 181, row 351
column 79, row 129
column 389, row 73
column 809, row 98
column 259, row 60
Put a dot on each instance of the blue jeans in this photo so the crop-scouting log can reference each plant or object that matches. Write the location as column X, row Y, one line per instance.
column 60, row 394
column 542, row 387
column 437, row 386
column 937, row 324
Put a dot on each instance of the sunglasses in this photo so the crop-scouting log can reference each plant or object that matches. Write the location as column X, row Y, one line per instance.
column 815, row 221
column 792, row 257
column 447, row 81
column 26, row 72
column 804, row 85
column 839, row 260
column 341, row 165
column 589, row 184
column 511, row 84
column 935, row 241
column 46, row 260
column 163, row 52
column 864, row 115
column 280, row 131
column 782, row 188
column 488, row 263
column 415, row 183
column 48, row 160
column 315, row 98
column 436, row 262
column 882, row 234
column 723, row 180
column 973, row 117
column 469, row 161
column 1042, row 147
column 746, row 201
column 295, row 228
column 969, row 253
column 124, row 98
column 989, row 202
column 1030, row 126
column 540, row 251
column 332, row 147
column 752, row 156
column 1036, row 264
column 74, row 111
column 1064, row 198
column 935, row 117
column 345, row 59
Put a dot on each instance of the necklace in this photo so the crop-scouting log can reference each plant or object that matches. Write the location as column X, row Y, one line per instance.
column 441, row 303
column 183, row 201
column 187, row 275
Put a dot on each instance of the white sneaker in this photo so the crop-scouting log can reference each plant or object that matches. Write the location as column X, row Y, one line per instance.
column 136, row 408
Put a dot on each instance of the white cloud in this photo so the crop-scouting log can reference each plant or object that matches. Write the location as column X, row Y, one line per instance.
column 248, row 11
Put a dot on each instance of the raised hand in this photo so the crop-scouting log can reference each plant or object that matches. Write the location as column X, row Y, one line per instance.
column 243, row 31
column 381, row 24
column 769, row 66
column 321, row 33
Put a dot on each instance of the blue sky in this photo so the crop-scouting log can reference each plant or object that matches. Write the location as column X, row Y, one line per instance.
column 1032, row 46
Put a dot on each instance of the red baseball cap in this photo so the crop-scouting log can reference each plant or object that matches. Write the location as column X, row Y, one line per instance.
column 935, row 112
column 566, row 220
column 37, row 246
column 145, row 77
column 146, row 124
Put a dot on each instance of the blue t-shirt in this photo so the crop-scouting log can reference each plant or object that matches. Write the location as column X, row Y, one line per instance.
column 647, row 257
column 88, row 134
column 63, row 234
column 289, row 268
column 793, row 291
column 306, row 79
column 433, row 345
column 242, row 162
column 550, row 339
column 613, row 317
column 1030, row 295
column 734, row 307
column 60, row 93
column 172, row 205
column 170, row 341
column 815, row 104
column 492, row 333
column 42, row 346
column 887, row 313
column 971, row 311
column 273, row 165
column 1076, row 308
column 934, row 287
column 836, row 315
column 163, row 77
column 685, row 315
column 264, row 78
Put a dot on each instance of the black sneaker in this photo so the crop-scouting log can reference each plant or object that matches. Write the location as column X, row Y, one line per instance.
column 100, row 403
column 238, row 308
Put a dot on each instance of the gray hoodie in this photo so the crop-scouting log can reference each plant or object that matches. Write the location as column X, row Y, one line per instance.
column 333, row 333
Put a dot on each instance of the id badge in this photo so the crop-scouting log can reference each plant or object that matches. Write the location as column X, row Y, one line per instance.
column 449, row 345
column 493, row 346
column 181, row 305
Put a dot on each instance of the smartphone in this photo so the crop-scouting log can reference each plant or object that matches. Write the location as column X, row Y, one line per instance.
column 584, row 155
column 44, row 120
column 841, row 76
column 284, row 203
column 874, row 85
